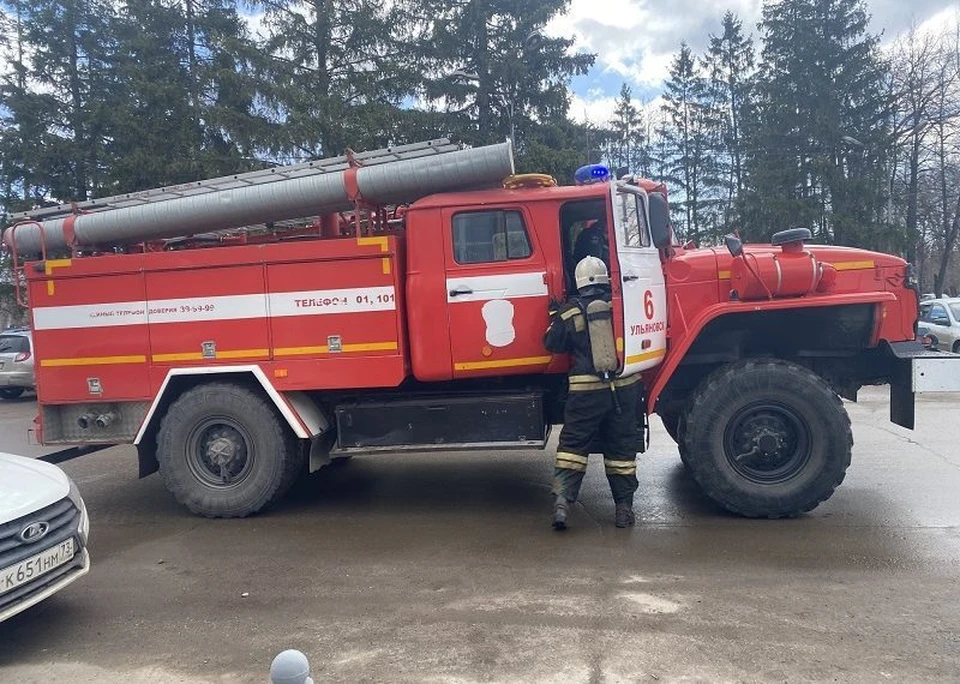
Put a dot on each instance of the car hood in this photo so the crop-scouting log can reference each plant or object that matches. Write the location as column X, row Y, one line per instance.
column 27, row 485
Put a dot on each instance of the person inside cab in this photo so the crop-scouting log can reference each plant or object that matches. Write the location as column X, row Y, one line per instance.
column 593, row 242
column 601, row 407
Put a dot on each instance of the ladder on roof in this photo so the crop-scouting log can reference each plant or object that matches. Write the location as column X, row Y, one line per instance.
column 250, row 178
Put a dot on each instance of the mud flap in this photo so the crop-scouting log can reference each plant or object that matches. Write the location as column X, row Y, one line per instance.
column 902, row 396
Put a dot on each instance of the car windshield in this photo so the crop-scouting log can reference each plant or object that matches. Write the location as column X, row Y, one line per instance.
column 13, row 344
column 955, row 310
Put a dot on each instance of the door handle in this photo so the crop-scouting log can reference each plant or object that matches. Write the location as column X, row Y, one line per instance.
column 630, row 278
column 461, row 291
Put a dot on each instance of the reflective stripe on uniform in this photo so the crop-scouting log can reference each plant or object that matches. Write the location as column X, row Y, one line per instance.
column 570, row 461
column 589, row 383
column 613, row 467
column 579, row 325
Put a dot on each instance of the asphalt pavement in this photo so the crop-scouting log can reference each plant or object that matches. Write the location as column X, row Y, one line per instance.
column 443, row 568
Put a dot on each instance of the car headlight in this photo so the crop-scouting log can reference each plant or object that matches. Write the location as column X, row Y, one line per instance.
column 74, row 496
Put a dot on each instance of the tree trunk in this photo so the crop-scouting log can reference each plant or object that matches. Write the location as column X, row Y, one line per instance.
column 482, row 57
column 76, row 106
column 323, row 29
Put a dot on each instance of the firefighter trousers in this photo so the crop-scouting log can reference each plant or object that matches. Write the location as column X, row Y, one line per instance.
column 591, row 424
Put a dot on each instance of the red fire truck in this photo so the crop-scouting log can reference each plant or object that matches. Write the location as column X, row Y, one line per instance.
column 243, row 330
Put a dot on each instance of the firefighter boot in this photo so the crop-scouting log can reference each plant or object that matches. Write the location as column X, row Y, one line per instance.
column 623, row 516
column 560, row 508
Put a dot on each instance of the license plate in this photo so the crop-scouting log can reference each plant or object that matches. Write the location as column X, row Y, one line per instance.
column 29, row 569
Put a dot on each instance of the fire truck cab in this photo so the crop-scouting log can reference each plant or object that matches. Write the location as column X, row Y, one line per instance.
column 504, row 255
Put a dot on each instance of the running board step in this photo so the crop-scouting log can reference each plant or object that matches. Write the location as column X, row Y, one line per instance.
column 443, row 423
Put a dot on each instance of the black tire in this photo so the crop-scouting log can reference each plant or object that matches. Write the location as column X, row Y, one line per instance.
column 10, row 392
column 263, row 457
column 767, row 438
column 956, row 347
column 934, row 342
column 673, row 422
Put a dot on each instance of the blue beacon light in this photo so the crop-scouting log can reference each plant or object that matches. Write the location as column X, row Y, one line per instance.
column 591, row 173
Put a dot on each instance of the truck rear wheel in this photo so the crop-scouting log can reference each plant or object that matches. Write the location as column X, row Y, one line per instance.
column 767, row 438
column 224, row 453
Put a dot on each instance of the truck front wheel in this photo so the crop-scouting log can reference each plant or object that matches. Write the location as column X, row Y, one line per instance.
column 767, row 438
column 673, row 423
column 224, row 453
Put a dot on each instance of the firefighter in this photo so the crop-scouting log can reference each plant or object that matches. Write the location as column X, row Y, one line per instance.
column 603, row 412
column 592, row 241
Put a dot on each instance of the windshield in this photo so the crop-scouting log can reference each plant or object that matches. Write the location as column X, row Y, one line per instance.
column 955, row 310
column 13, row 344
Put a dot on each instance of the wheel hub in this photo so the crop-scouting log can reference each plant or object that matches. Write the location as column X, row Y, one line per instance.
column 767, row 443
column 220, row 455
column 221, row 450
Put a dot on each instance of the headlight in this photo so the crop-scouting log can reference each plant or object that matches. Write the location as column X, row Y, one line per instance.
column 74, row 496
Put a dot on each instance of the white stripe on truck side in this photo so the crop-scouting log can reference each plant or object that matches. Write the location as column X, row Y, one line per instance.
column 504, row 286
column 224, row 308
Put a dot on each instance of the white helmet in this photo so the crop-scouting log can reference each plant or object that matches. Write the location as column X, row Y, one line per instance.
column 591, row 271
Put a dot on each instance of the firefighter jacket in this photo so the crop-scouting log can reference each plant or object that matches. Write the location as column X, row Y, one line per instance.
column 568, row 334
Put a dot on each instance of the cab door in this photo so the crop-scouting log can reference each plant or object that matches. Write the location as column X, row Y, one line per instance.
column 644, row 341
column 497, row 294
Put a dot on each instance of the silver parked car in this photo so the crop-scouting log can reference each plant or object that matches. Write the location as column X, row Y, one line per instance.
column 940, row 322
column 16, row 363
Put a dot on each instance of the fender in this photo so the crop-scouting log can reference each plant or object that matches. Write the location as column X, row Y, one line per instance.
column 301, row 414
column 693, row 329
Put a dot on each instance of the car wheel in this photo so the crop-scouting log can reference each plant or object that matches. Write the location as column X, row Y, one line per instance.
column 11, row 392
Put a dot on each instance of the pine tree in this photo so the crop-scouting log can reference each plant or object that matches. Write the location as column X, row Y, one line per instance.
column 189, row 94
column 495, row 70
column 69, row 44
column 730, row 63
column 334, row 72
column 628, row 144
column 818, row 142
column 690, row 123
column 24, row 117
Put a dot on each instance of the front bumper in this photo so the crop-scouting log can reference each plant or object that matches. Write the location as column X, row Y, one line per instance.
column 65, row 520
column 919, row 370
column 77, row 570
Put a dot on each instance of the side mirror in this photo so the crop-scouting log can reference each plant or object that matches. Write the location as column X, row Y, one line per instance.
column 660, row 220
column 734, row 244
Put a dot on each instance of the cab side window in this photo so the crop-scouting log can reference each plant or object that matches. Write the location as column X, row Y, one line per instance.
column 633, row 220
column 481, row 237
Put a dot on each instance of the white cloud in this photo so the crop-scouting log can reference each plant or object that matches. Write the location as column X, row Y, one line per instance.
column 637, row 39
column 600, row 110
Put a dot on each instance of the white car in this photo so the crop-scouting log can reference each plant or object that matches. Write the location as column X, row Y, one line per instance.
column 940, row 323
column 43, row 533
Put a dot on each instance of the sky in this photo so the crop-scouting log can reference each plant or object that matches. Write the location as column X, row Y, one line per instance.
column 635, row 40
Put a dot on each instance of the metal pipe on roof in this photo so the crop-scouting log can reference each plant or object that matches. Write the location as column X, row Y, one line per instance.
column 388, row 183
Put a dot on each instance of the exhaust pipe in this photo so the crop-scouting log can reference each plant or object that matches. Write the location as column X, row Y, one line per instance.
column 105, row 420
column 85, row 420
